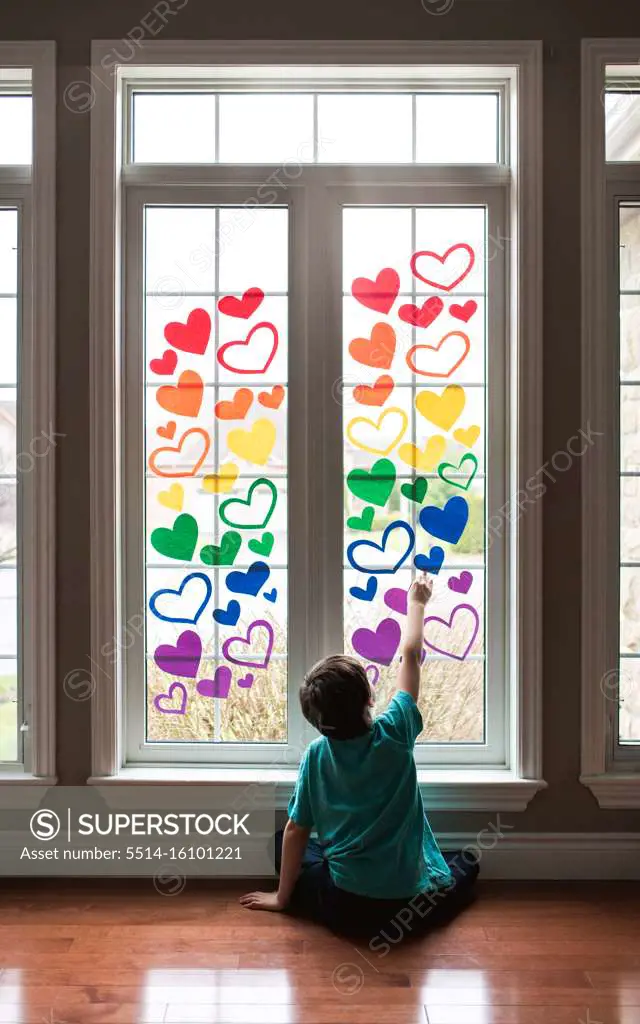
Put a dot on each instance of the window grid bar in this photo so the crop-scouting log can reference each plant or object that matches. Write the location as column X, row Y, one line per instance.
column 217, row 725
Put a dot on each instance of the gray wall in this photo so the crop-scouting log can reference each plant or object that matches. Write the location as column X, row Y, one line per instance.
column 565, row 806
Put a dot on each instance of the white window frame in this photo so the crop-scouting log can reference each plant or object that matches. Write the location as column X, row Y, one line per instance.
column 612, row 777
column 32, row 188
column 515, row 784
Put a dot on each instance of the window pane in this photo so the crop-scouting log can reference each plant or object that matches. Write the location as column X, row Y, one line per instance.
column 266, row 129
column 8, row 709
column 414, row 438
column 216, row 483
column 457, row 128
column 622, row 118
column 365, row 129
column 15, row 129
column 174, row 129
column 629, row 698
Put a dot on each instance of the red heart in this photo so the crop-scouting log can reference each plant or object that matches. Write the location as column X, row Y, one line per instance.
column 193, row 336
column 246, row 343
column 442, row 260
column 273, row 400
column 464, row 312
column 422, row 316
column 244, row 307
column 168, row 431
column 166, row 365
column 379, row 294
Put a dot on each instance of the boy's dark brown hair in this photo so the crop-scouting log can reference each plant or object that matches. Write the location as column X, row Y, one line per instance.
column 335, row 698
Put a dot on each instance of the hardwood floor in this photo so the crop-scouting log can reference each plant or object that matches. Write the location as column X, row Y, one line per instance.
column 121, row 953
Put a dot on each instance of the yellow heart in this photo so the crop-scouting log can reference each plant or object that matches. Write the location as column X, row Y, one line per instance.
column 371, row 425
column 173, row 498
column 254, row 445
column 444, row 409
column 468, row 436
column 427, row 458
column 220, row 483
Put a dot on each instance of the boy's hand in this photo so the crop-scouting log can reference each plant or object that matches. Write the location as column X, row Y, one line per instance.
column 262, row 901
column 420, row 590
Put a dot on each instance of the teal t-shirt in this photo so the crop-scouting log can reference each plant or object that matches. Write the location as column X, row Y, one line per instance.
column 363, row 800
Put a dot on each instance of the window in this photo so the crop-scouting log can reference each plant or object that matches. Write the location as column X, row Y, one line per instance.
column 319, row 358
column 27, row 430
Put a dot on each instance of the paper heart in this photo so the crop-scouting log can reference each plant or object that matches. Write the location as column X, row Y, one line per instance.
column 170, row 469
column 219, row 686
column 264, row 546
column 237, row 408
column 193, row 336
column 374, row 394
column 164, row 702
column 396, row 599
column 378, row 350
column 372, row 670
column 449, row 478
column 379, row 294
column 362, row 522
column 422, row 316
column 271, row 595
column 265, row 629
column 369, row 435
column 254, row 511
column 448, row 523
column 430, row 563
column 249, row 582
column 173, row 498
column 425, row 459
column 166, row 365
column 394, row 529
column 272, row 399
column 246, row 682
column 374, row 485
column 186, row 604
column 251, row 355
column 183, row 398
column 168, row 431
column 452, row 268
column 224, row 553
column 467, row 436
column 365, row 593
column 440, row 360
column 253, row 445
column 444, row 409
column 464, row 312
column 415, row 491
column 379, row 644
column 227, row 616
column 460, row 584
column 178, row 541
column 183, row 659
column 433, row 621
column 245, row 307
column 222, row 481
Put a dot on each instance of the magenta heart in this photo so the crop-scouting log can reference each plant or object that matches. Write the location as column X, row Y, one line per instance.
column 379, row 644
column 464, row 609
column 164, row 701
column 246, row 682
column 372, row 671
column 460, row 584
column 396, row 600
column 183, row 659
column 219, row 686
column 260, row 626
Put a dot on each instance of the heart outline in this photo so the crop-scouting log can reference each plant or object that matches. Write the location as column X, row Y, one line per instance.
column 247, row 341
column 397, row 524
column 247, row 501
column 153, row 600
column 443, row 259
column 449, row 625
column 436, row 348
column 177, row 474
column 247, row 640
column 169, row 696
column 378, row 426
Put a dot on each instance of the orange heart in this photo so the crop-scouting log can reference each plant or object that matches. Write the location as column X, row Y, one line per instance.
column 171, row 471
column 237, row 408
column 168, row 431
column 183, row 398
column 378, row 350
column 273, row 400
column 450, row 363
column 375, row 394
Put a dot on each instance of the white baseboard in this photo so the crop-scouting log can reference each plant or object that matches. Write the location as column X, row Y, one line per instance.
column 566, row 856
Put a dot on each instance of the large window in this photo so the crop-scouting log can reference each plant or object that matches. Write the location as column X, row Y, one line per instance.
column 319, row 384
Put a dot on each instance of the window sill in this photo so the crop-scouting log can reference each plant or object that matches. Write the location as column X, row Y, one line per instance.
column 19, row 778
column 442, row 790
column 619, row 791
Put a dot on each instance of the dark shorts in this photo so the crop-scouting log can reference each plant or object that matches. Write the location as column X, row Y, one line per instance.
column 316, row 897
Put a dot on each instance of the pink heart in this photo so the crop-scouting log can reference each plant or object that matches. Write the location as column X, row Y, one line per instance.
column 248, row 660
column 464, row 609
column 219, row 686
column 396, row 600
column 460, row 584
column 246, row 682
column 164, row 699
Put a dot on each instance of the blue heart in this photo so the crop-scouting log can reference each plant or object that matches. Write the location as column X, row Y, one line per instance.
column 446, row 523
column 228, row 616
column 153, row 600
column 249, row 582
column 398, row 524
column 430, row 563
column 271, row 595
column 365, row 593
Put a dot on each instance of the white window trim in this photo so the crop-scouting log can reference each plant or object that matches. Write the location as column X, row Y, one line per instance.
column 473, row 789
column 612, row 787
column 36, row 415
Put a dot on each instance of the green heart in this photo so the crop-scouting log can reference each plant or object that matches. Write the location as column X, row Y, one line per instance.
column 444, row 466
column 246, row 502
column 226, row 553
column 373, row 485
column 264, row 546
column 178, row 541
column 415, row 491
column 363, row 522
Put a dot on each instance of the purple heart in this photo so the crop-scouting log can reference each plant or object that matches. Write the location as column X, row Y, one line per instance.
column 258, row 625
column 379, row 644
column 372, row 670
column 219, row 686
column 460, row 584
column 396, row 600
column 247, row 681
column 183, row 659
column 447, row 651
column 164, row 699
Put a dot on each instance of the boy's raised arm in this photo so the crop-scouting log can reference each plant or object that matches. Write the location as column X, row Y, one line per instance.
column 412, row 643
